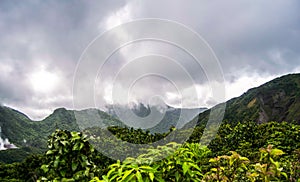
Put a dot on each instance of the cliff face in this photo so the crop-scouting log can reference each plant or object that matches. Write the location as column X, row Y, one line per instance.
column 278, row 105
column 277, row 100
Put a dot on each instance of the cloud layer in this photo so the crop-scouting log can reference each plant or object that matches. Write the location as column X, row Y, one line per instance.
column 42, row 41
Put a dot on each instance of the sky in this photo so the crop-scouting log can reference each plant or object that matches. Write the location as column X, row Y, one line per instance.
column 42, row 42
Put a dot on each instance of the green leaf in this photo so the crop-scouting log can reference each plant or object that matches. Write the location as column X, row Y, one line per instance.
column 129, row 178
column 86, row 172
column 146, row 167
column 49, row 152
column 276, row 152
column 244, row 159
column 113, row 177
column 45, row 168
column 76, row 146
column 185, row 167
column 231, row 160
column 44, row 179
column 212, row 160
column 74, row 134
column 74, row 166
column 56, row 162
column 139, row 176
column 105, row 178
column 62, row 173
column 195, row 166
column 110, row 171
column 64, row 143
column 214, row 169
column 285, row 175
column 177, row 176
column 127, row 173
column 151, row 175
column 81, row 146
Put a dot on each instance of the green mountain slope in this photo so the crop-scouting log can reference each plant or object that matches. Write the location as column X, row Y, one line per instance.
column 31, row 136
column 277, row 100
column 17, row 126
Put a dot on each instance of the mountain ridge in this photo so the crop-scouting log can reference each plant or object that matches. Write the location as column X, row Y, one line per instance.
column 173, row 117
column 276, row 100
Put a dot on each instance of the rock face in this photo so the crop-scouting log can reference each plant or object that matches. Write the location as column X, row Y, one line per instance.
column 277, row 100
column 276, row 105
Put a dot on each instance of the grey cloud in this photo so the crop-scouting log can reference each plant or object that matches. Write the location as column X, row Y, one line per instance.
column 247, row 36
column 239, row 29
column 49, row 33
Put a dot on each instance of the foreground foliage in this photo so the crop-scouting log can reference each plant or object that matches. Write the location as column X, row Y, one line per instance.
column 240, row 152
column 189, row 163
column 70, row 157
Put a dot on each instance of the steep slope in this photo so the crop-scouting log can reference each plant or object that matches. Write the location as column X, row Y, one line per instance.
column 176, row 117
column 31, row 136
column 22, row 132
column 16, row 126
column 277, row 100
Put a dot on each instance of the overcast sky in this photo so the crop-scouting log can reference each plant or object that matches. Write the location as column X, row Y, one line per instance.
column 42, row 41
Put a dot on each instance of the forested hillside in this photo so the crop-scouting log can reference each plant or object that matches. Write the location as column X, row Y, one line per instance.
column 258, row 140
column 31, row 136
column 243, row 152
column 277, row 100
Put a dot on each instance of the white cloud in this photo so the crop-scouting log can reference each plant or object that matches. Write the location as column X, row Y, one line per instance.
column 33, row 113
column 118, row 17
column 244, row 82
column 107, row 96
column 242, row 34
column 43, row 80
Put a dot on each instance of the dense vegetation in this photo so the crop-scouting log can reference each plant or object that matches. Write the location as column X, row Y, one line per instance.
column 31, row 136
column 247, row 147
column 240, row 152
column 277, row 100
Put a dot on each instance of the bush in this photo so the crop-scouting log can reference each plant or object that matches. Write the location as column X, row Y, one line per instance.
column 70, row 157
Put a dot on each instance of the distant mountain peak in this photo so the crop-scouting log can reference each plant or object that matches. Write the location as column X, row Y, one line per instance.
column 61, row 109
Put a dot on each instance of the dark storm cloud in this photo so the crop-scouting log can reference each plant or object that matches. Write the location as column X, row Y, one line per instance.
column 254, row 40
column 52, row 34
column 240, row 32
